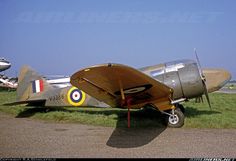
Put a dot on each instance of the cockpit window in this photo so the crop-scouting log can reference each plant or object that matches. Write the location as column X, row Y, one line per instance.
column 174, row 67
column 157, row 72
column 184, row 61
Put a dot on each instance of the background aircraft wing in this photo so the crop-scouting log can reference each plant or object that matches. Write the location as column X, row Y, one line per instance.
column 104, row 82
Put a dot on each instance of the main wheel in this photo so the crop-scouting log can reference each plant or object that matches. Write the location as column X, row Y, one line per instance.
column 175, row 120
column 180, row 107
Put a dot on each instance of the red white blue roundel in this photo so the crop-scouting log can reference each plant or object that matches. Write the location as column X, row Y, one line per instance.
column 75, row 96
column 136, row 89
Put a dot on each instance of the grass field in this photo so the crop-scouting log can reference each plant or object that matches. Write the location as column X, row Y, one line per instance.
column 197, row 115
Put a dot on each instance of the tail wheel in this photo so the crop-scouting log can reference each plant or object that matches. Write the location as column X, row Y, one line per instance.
column 175, row 119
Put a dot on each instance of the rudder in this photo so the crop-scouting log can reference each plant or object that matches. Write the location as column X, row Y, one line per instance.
column 30, row 83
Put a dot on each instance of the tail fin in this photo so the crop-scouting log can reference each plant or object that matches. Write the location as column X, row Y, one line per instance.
column 30, row 85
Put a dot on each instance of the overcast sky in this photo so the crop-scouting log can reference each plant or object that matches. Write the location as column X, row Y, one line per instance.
column 63, row 36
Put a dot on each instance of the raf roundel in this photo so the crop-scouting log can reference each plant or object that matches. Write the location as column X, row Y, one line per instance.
column 136, row 89
column 75, row 96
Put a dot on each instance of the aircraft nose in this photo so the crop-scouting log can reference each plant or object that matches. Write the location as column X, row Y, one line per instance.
column 7, row 65
column 216, row 78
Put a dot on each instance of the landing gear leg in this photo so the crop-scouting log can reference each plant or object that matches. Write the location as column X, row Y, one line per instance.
column 128, row 117
column 175, row 118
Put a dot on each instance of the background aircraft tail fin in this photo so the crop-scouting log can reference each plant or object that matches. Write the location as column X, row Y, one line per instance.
column 30, row 85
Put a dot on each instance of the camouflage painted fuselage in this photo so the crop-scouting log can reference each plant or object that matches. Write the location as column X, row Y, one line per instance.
column 35, row 90
column 182, row 76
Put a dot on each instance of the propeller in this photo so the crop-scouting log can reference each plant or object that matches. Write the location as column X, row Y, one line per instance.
column 203, row 79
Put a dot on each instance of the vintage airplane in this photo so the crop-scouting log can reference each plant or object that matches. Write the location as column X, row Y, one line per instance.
column 11, row 83
column 162, row 86
column 59, row 81
column 4, row 64
column 7, row 82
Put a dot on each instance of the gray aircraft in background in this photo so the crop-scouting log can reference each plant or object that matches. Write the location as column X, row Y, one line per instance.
column 4, row 64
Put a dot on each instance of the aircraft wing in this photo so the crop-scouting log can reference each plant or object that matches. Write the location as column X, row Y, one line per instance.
column 111, row 83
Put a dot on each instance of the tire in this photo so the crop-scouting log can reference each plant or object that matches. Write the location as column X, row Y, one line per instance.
column 180, row 107
column 176, row 120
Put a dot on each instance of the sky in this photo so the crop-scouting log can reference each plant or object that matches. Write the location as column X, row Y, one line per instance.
column 59, row 37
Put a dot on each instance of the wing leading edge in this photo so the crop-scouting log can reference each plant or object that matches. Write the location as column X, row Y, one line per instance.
column 115, row 83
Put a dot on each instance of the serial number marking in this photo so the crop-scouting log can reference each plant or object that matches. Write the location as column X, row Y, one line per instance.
column 56, row 97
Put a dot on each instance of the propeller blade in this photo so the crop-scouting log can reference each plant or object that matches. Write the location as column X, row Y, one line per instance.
column 206, row 94
column 199, row 64
column 203, row 79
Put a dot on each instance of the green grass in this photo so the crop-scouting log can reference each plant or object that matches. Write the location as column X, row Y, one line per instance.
column 222, row 115
column 197, row 115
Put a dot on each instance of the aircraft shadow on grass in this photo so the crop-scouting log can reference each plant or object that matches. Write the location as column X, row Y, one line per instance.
column 146, row 124
column 191, row 112
column 31, row 111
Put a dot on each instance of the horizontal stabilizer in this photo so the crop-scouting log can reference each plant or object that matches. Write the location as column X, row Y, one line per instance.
column 38, row 102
